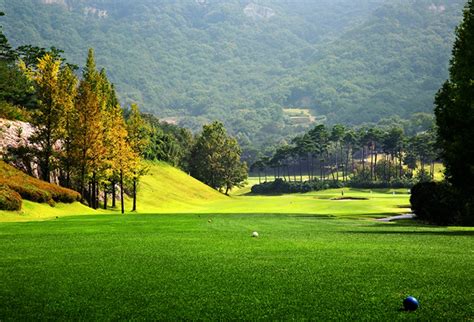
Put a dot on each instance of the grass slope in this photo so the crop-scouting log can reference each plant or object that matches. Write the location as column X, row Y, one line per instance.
column 167, row 189
column 163, row 189
column 172, row 267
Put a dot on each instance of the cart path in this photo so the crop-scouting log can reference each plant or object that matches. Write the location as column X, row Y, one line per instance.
column 405, row 216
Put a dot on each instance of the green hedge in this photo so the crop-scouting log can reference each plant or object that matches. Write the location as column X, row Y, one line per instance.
column 280, row 186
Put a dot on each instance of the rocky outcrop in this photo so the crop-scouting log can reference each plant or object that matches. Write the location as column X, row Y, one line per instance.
column 60, row 2
column 437, row 9
column 14, row 134
column 258, row 12
column 92, row 11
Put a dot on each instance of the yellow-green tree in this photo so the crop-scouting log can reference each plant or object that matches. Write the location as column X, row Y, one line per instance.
column 138, row 138
column 47, row 118
column 89, row 132
column 68, row 90
column 125, row 160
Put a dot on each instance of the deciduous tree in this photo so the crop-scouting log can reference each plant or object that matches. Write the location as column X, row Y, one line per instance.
column 215, row 158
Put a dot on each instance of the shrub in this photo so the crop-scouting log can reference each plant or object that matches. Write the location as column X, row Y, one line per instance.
column 34, row 189
column 280, row 186
column 9, row 199
column 29, row 192
column 404, row 182
column 436, row 203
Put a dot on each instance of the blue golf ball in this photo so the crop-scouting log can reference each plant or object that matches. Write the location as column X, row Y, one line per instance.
column 410, row 303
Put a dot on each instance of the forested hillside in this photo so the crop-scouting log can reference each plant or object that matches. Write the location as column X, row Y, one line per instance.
column 193, row 61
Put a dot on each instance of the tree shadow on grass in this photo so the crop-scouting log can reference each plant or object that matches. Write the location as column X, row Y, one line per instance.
column 263, row 214
column 419, row 233
column 312, row 216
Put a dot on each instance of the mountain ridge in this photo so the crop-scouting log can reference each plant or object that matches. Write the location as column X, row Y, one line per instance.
column 196, row 61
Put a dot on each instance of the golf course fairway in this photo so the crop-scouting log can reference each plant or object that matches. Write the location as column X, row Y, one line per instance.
column 316, row 257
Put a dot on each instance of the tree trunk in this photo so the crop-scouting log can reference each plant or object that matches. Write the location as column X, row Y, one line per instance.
column 308, row 165
column 301, row 169
column 83, row 183
column 105, row 196
column 93, row 188
column 121, row 191
column 97, row 195
column 321, row 169
column 363, row 158
column 89, row 195
column 113, row 194
column 375, row 165
column 371, row 163
column 400, row 163
column 134, row 207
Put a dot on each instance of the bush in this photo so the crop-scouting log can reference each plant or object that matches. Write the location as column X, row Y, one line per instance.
column 34, row 189
column 394, row 184
column 436, row 203
column 29, row 192
column 9, row 199
column 280, row 186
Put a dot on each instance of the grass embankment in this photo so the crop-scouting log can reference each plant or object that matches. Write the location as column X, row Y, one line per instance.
column 163, row 189
column 33, row 198
column 184, row 267
column 168, row 190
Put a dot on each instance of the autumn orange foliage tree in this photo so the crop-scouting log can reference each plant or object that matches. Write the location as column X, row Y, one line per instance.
column 81, row 133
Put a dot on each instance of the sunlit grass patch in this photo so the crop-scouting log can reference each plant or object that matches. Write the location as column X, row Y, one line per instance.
column 207, row 266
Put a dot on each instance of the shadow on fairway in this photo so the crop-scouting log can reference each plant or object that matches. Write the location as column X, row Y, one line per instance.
column 312, row 216
column 419, row 233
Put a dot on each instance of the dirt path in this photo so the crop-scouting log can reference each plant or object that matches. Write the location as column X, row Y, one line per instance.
column 405, row 216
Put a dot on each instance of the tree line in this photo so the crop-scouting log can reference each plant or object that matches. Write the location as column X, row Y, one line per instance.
column 84, row 140
column 451, row 201
column 81, row 138
column 363, row 156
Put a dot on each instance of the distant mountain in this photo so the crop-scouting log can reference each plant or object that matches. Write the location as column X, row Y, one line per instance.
column 243, row 61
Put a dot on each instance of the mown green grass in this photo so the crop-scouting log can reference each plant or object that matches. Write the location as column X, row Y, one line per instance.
column 192, row 257
column 206, row 266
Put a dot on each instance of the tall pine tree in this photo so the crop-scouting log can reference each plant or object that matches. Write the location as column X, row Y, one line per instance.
column 455, row 108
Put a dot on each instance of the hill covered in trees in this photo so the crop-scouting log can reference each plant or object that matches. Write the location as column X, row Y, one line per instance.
column 242, row 62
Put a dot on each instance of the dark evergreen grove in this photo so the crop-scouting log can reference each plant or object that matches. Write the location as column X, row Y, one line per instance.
column 453, row 201
column 331, row 157
column 455, row 108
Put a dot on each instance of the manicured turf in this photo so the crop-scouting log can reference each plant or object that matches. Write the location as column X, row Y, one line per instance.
column 185, row 267
column 316, row 258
